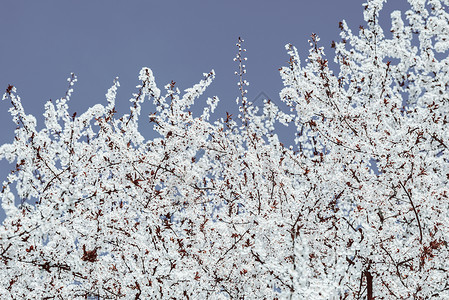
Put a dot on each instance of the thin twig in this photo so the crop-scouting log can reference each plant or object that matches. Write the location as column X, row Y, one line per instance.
column 414, row 210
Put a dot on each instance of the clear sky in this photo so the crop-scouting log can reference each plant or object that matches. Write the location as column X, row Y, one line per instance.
column 44, row 41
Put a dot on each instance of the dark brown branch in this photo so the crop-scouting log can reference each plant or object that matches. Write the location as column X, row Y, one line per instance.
column 233, row 246
column 414, row 210
column 369, row 284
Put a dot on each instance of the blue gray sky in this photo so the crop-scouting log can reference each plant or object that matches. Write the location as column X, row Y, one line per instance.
column 44, row 41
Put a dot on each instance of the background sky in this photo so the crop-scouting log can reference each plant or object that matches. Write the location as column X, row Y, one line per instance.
column 44, row 41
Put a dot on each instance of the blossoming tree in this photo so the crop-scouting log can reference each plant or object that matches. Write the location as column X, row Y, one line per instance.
column 357, row 209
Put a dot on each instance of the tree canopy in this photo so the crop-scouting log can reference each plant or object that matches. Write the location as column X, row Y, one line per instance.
column 357, row 208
